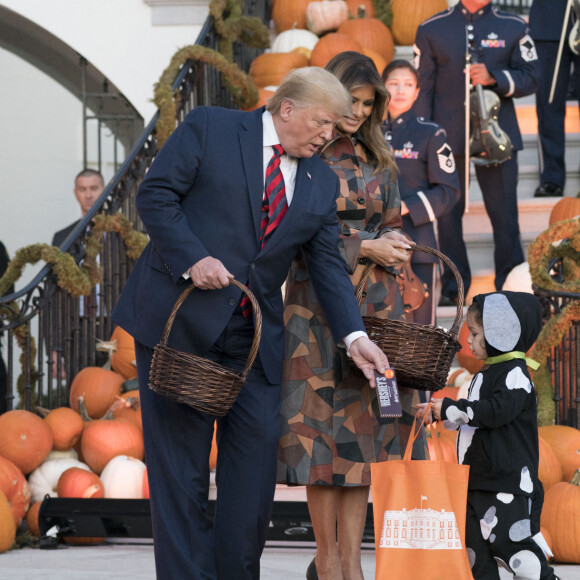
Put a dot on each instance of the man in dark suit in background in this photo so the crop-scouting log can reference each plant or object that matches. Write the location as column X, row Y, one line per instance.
column 202, row 205
column 546, row 23
column 89, row 185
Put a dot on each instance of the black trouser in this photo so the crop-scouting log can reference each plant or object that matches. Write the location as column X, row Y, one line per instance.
column 498, row 184
column 187, row 544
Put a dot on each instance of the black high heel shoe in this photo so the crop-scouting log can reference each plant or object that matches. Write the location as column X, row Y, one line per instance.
column 311, row 573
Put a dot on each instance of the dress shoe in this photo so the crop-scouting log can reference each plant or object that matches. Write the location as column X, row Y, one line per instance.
column 448, row 300
column 548, row 190
column 311, row 573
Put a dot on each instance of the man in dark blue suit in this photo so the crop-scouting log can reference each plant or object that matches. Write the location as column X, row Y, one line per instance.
column 201, row 203
column 505, row 62
column 546, row 23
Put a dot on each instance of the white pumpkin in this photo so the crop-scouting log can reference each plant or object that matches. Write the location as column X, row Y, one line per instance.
column 288, row 40
column 123, row 478
column 68, row 454
column 326, row 15
column 519, row 279
column 44, row 479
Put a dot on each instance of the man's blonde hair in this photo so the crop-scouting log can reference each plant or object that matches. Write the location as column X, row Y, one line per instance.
column 312, row 86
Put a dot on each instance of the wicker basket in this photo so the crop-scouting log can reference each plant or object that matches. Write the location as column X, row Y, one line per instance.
column 200, row 383
column 421, row 355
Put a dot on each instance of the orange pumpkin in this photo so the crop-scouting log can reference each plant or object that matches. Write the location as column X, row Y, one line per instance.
column 372, row 34
column 32, row 519
column 288, row 14
column 379, row 61
column 565, row 209
column 129, row 408
column 269, row 68
column 7, row 525
column 549, row 468
column 77, row 482
column 146, row 493
column 408, row 15
column 465, row 357
column 448, row 391
column 106, row 438
column 560, row 517
column 330, row 45
column 66, row 426
column 15, row 488
column 123, row 354
column 565, row 442
column 99, row 387
column 265, row 94
column 25, row 439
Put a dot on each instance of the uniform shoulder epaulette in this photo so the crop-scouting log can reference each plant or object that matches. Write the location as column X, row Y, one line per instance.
column 424, row 121
column 439, row 15
column 508, row 15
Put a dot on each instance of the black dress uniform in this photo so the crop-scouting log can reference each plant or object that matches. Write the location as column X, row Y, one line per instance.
column 546, row 22
column 501, row 41
column 498, row 439
column 429, row 186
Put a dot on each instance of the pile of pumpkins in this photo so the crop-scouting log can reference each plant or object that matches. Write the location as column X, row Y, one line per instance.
column 90, row 449
column 310, row 33
column 559, row 472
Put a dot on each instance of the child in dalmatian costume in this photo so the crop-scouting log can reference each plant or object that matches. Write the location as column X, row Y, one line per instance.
column 498, row 439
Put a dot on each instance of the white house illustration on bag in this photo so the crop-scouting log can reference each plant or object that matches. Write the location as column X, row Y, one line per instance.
column 420, row 529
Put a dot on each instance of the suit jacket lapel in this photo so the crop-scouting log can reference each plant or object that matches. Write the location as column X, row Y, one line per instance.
column 251, row 144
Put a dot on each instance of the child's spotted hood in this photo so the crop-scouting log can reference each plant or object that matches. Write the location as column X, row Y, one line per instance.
column 511, row 321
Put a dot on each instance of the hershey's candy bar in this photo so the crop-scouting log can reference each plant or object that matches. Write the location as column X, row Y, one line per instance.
column 388, row 394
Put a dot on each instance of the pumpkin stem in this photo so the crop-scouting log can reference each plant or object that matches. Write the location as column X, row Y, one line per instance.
column 576, row 478
column 361, row 11
column 42, row 411
column 83, row 409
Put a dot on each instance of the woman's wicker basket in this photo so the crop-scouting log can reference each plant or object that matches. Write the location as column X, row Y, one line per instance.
column 200, row 383
column 421, row 355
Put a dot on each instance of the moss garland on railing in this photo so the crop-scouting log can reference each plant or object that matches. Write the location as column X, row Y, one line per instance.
column 231, row 26
column 384, row 12
column 545, row 248
column 73, row 279
column 550, row 336
column 240, row 85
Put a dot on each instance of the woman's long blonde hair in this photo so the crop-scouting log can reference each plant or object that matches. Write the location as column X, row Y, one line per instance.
column 355, row 70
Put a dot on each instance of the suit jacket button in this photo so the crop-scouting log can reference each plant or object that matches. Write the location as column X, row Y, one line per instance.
column 232, row 301
column 252, row 266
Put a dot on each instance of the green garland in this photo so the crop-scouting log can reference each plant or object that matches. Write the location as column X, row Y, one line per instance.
column 384, row 12
column 240, row 85
column 550, row 336
column 545, row 248
column 231, row 27
column 75, row 280
column 237, row 28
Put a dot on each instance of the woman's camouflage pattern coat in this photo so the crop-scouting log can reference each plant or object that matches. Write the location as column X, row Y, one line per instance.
column 330, row 427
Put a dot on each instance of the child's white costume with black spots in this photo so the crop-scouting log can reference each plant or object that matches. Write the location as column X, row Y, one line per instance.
column 498, row 439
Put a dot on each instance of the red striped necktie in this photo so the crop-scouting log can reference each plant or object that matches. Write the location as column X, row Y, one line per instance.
column 274, row 207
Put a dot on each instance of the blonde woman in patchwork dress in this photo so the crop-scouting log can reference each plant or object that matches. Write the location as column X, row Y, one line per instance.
column 331, row 429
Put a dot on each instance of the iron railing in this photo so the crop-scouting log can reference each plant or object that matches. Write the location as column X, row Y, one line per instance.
column 564, row 359
column 65, row 329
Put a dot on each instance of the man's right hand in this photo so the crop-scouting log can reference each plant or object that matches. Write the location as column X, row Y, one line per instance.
column 210, row 274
